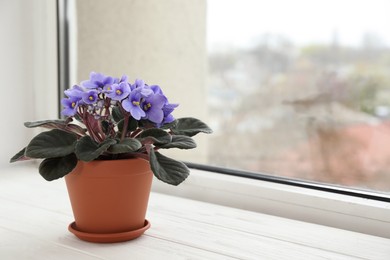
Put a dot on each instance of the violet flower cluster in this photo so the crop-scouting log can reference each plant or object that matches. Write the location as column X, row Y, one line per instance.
column 112, row 119
column 97, row 96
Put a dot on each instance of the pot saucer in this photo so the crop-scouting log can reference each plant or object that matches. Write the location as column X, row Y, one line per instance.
column 108, row 238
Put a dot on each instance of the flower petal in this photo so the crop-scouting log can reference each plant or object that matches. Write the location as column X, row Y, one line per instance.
column 155, row 115
column 137, row 112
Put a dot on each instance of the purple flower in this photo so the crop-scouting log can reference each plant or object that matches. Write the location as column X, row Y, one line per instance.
column 122, row 79
column 139, row 83
column 97, row 80
column 142, row 87
column 107, row 89
column 152, row 105
column 156, row 89
column 139, row 99
column 75, row 91
column 118, row 91
column 168, row 109
column 90, row 97
column 133, row 104
column 70, row 106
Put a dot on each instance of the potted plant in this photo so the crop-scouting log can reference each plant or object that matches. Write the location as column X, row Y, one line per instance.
column 108, row 148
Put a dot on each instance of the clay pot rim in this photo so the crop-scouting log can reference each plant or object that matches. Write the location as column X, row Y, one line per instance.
column 110, row 165
column 120, row 160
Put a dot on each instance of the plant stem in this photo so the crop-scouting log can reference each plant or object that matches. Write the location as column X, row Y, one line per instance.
column 135, row 133
column 124, row 130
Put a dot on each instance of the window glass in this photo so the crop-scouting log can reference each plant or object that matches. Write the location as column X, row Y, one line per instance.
column 301, row 89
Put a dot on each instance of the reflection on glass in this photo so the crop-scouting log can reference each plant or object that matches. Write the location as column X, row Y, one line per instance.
column 301, row 89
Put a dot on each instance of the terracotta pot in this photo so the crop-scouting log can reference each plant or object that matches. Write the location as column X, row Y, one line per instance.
column 109, row 199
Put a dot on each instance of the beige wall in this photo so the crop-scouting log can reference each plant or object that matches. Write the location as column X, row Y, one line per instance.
column 162, row 42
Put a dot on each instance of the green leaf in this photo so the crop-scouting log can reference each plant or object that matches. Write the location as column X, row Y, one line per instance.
column 75, row 129
column 169, row 125
column 20, row 156
column 126, row 146
column 190, row 126
column 155, row 136
column 58, row 124
column 168, row 170
column 54, row 143
column 52, row 124
column 179, row 141
column 55, row 168
column 106, row 127
column 131, row 125
column 117, row 114
column 88, row 150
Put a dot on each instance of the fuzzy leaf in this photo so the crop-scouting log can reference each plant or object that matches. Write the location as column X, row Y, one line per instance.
column 75, row 129
column 169, row 125
column 57, row 124
column 54, row 143
column 131, row 125
column 55, row 168
column 179, row 141
column 20, row 156
column 88, row 150
column 106, row 127
column 126, row 146
column 168, row 170
column 155, row 136
column 117, row 114
column 51, row 124
column 190, row 126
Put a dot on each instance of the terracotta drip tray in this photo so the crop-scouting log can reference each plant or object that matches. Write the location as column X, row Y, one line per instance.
column 108, row 238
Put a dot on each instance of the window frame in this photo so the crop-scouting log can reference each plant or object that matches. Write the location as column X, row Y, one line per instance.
column 308, row 204
column 63, row 46
column 320, row 186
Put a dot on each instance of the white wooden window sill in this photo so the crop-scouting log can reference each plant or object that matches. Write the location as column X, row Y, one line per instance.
column 34, row 215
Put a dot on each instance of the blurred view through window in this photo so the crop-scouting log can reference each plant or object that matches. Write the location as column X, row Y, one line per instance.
column 301, row 89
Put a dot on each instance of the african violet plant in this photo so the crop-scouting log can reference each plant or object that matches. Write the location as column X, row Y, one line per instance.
column 109, row 119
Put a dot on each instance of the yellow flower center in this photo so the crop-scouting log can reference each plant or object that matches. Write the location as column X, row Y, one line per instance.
column 91, row 98
column 135, row 103
column 73, row 104
column 118, row 92
column 147, row 106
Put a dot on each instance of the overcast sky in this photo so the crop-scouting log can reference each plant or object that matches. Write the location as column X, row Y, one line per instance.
column 240, row 22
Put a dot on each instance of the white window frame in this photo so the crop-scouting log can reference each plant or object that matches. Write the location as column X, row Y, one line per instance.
column 326, row 208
